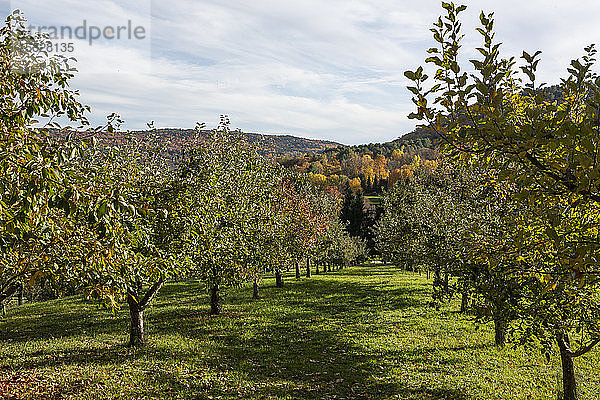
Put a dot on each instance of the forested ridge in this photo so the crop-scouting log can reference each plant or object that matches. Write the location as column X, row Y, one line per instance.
column 337, row 163
column 458, row 261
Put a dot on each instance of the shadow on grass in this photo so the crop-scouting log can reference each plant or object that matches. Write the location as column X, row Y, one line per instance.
column 97, row 355
column 303, row 348
column 298, row 342
column 61, row 318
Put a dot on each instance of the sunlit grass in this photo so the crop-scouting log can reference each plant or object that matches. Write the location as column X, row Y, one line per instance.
column 363, row 332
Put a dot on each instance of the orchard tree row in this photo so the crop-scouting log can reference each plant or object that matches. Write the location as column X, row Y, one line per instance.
column 510, row 220
column 117, row 221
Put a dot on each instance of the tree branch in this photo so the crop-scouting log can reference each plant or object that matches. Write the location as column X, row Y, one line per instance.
column 570, row 185
column 585, row 349
column 151, row 293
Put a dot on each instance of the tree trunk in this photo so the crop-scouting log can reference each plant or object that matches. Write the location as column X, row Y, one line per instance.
column 20, row 296
column 215, row 300
column 500, row 326
column 568, row 369
column 317, row 268
column 5, row 297
column 136, row 328
column 308, row 274
column 255, row 293
column 437, row 278
column 464, row 302
column 446, row 284
column 297, row 270
column 278, row 278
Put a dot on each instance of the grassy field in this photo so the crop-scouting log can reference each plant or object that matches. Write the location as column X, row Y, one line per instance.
column 364, row 332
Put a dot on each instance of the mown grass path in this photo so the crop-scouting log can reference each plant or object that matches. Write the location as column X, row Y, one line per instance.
column 363, row 332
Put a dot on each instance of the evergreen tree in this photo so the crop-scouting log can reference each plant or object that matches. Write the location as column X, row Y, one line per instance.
column 353, row 211
column 359, row 215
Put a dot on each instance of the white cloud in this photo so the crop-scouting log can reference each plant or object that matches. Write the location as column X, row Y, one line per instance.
column 331, row 69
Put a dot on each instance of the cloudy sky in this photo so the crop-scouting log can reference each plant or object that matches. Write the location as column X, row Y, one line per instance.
column 324, row 69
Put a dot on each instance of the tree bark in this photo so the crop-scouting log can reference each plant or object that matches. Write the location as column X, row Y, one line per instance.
column 568, row 368
column 308, row 274
column 136, row 327
column 278, row 278
column 464, row 303
column 5, row 297
column 446, row 284
column 255, row 293
column 20, row 296
column 500, row 326
column 137, row 305
column 437, row 280
column 297, row 270
column 215, row 300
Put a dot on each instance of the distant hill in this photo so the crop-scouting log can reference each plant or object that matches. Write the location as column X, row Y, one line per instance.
column 372, row 167
column 274, row 145
column 427, row 137
column 174, row 140
column 420, row 140
column 288, row 145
